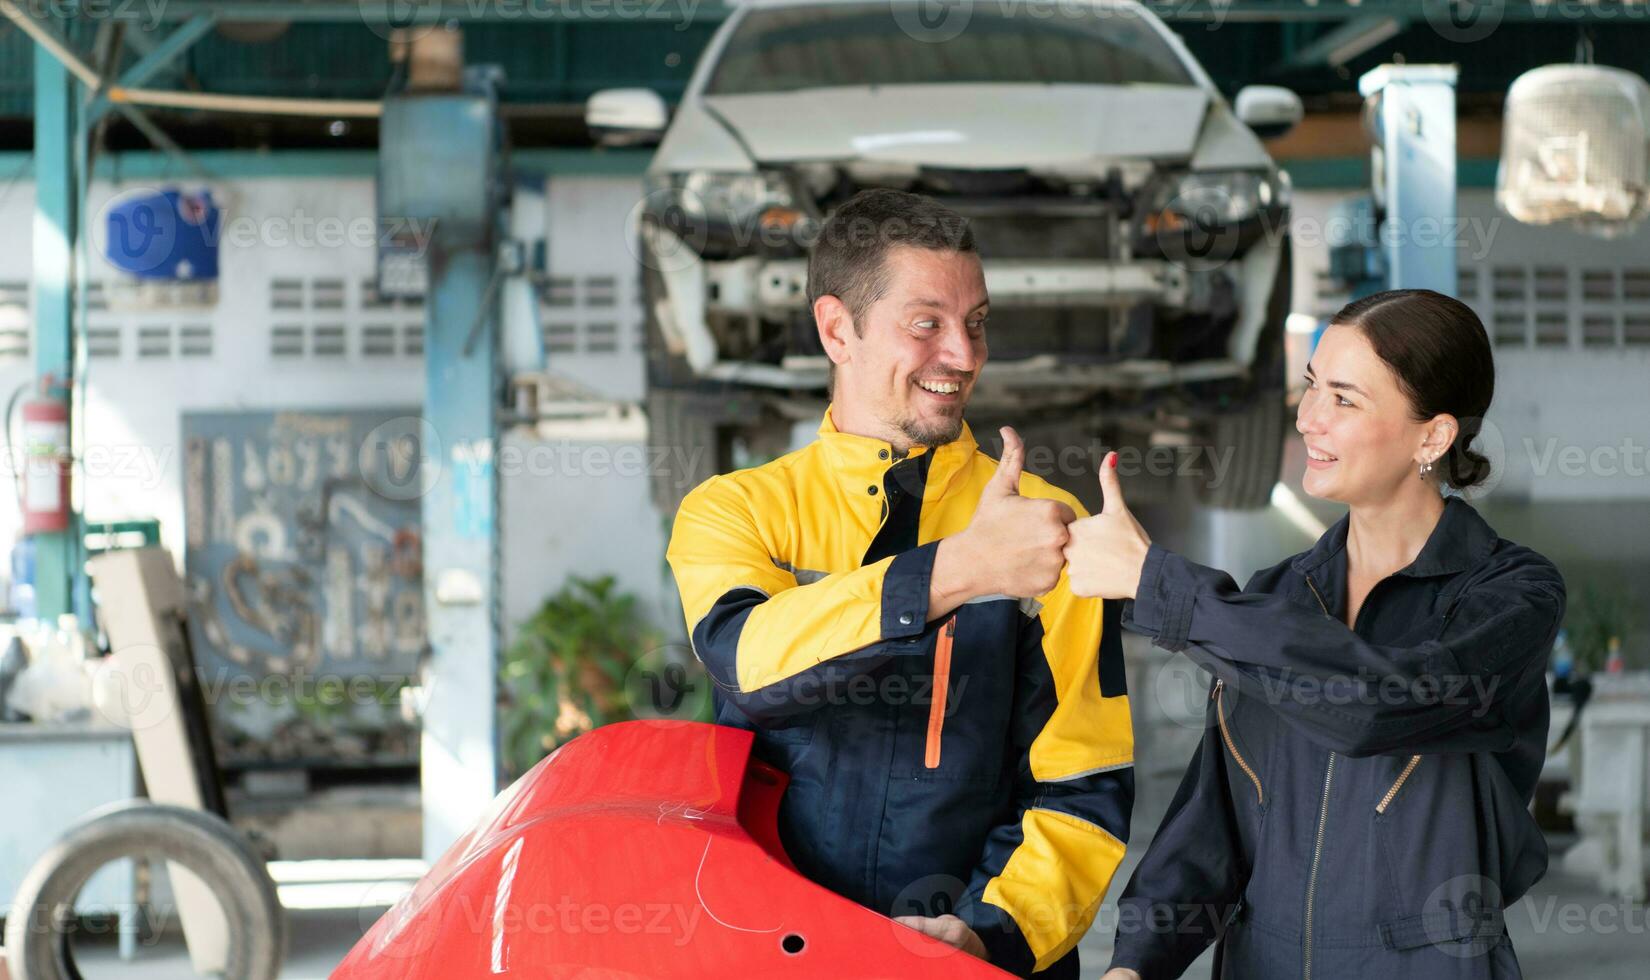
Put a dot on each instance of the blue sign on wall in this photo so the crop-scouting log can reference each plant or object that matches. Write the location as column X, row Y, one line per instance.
column 164, row 234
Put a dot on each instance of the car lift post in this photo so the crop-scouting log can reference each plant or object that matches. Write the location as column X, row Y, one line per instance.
column 56, row 220
column 1413, row 170
column 441, row 164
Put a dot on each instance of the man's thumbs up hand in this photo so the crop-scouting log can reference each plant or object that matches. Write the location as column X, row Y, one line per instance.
column 1013, row 544
column 1006, row 481
column 1105, row 553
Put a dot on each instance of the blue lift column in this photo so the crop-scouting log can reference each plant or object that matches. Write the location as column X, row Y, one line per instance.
column 1414, row 173
column 56, row 216
column 440, row 166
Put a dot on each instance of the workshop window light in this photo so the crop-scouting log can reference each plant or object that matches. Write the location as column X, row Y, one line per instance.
column 1303, row 323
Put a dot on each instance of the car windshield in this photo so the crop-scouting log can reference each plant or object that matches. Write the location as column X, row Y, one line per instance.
column 783, row 49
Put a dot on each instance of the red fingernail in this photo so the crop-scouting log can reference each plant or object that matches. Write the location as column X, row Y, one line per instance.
column 1114, row 461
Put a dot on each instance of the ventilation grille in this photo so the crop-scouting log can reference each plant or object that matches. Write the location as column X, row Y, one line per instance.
column 1549, row 307
column 14, row 320
column 598, row 315
column 154, row 341
column 315, row 321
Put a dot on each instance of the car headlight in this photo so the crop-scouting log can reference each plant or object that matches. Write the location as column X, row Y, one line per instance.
column 736, row 213
column 1214, row 199
column 760, row 202
column 733, row 199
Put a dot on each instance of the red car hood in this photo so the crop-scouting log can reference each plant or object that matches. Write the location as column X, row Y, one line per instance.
column 642, row 849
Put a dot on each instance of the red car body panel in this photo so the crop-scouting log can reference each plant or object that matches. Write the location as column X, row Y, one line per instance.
column 642, row 849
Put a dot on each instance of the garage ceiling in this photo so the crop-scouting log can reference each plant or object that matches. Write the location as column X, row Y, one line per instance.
column 553, row 60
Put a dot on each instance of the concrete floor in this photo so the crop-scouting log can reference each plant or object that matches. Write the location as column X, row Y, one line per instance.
column 319, row 939
column 329, row 905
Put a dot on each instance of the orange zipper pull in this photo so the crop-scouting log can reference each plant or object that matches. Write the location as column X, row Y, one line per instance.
column 942, row 684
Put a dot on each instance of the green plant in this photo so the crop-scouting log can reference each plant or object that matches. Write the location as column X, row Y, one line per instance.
column 565, row 672
column 1592, row 618
column 333, row 704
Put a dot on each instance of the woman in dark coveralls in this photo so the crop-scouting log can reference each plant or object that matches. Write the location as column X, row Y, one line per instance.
column 1358, row 806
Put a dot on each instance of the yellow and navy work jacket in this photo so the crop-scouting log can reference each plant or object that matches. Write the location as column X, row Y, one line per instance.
column 980, row 764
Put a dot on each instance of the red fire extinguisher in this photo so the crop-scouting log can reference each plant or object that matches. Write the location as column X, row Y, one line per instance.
column 45, row 497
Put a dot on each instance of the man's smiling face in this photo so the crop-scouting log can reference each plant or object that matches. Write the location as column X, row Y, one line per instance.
column 906, row 372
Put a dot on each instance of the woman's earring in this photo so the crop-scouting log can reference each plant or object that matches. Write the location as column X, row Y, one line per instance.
column 1426, row 468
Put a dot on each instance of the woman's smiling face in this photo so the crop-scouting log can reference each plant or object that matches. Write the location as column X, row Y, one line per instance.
column 1362, row 440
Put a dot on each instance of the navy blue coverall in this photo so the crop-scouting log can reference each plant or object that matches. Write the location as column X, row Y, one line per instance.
column 1358, row 806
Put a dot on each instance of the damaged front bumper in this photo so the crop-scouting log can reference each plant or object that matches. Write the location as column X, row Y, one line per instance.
column 696, row 290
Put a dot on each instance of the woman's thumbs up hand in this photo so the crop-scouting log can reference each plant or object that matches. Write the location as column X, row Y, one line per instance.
column 1105, row 553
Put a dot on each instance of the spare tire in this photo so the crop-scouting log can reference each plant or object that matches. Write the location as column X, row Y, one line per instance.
column 1254, row 430
column 38, row 928
column 1253, row 437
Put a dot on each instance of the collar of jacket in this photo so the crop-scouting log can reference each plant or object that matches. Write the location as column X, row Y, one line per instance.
column 861, row 461
column 1461, row 540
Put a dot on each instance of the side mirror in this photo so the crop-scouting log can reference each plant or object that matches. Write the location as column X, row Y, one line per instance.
column 1269, row 110
column 626, row 116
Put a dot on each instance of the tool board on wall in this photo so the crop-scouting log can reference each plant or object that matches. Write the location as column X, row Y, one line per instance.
column 303, row 560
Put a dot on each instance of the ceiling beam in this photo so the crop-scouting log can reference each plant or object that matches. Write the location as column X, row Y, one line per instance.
column 381, row 12
column 49, row 43
column 157, row 58
column 1342, row 43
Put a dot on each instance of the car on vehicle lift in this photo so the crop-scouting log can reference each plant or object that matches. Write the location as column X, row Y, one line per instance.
column 1132, row 226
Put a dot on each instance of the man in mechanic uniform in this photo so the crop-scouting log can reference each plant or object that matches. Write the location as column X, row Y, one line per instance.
column 886, row 609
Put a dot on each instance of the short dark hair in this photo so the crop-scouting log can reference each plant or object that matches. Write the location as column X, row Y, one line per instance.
column 849, row 259
column 1440, row 353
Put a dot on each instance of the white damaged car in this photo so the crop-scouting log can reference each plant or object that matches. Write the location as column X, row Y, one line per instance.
column 1132, row 227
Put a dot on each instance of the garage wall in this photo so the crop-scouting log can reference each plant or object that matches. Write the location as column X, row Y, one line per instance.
column 587, row 509
column 1569, row 315
column 296, row 324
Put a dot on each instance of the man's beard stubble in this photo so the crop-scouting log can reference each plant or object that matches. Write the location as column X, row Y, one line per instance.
column 933, row 433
